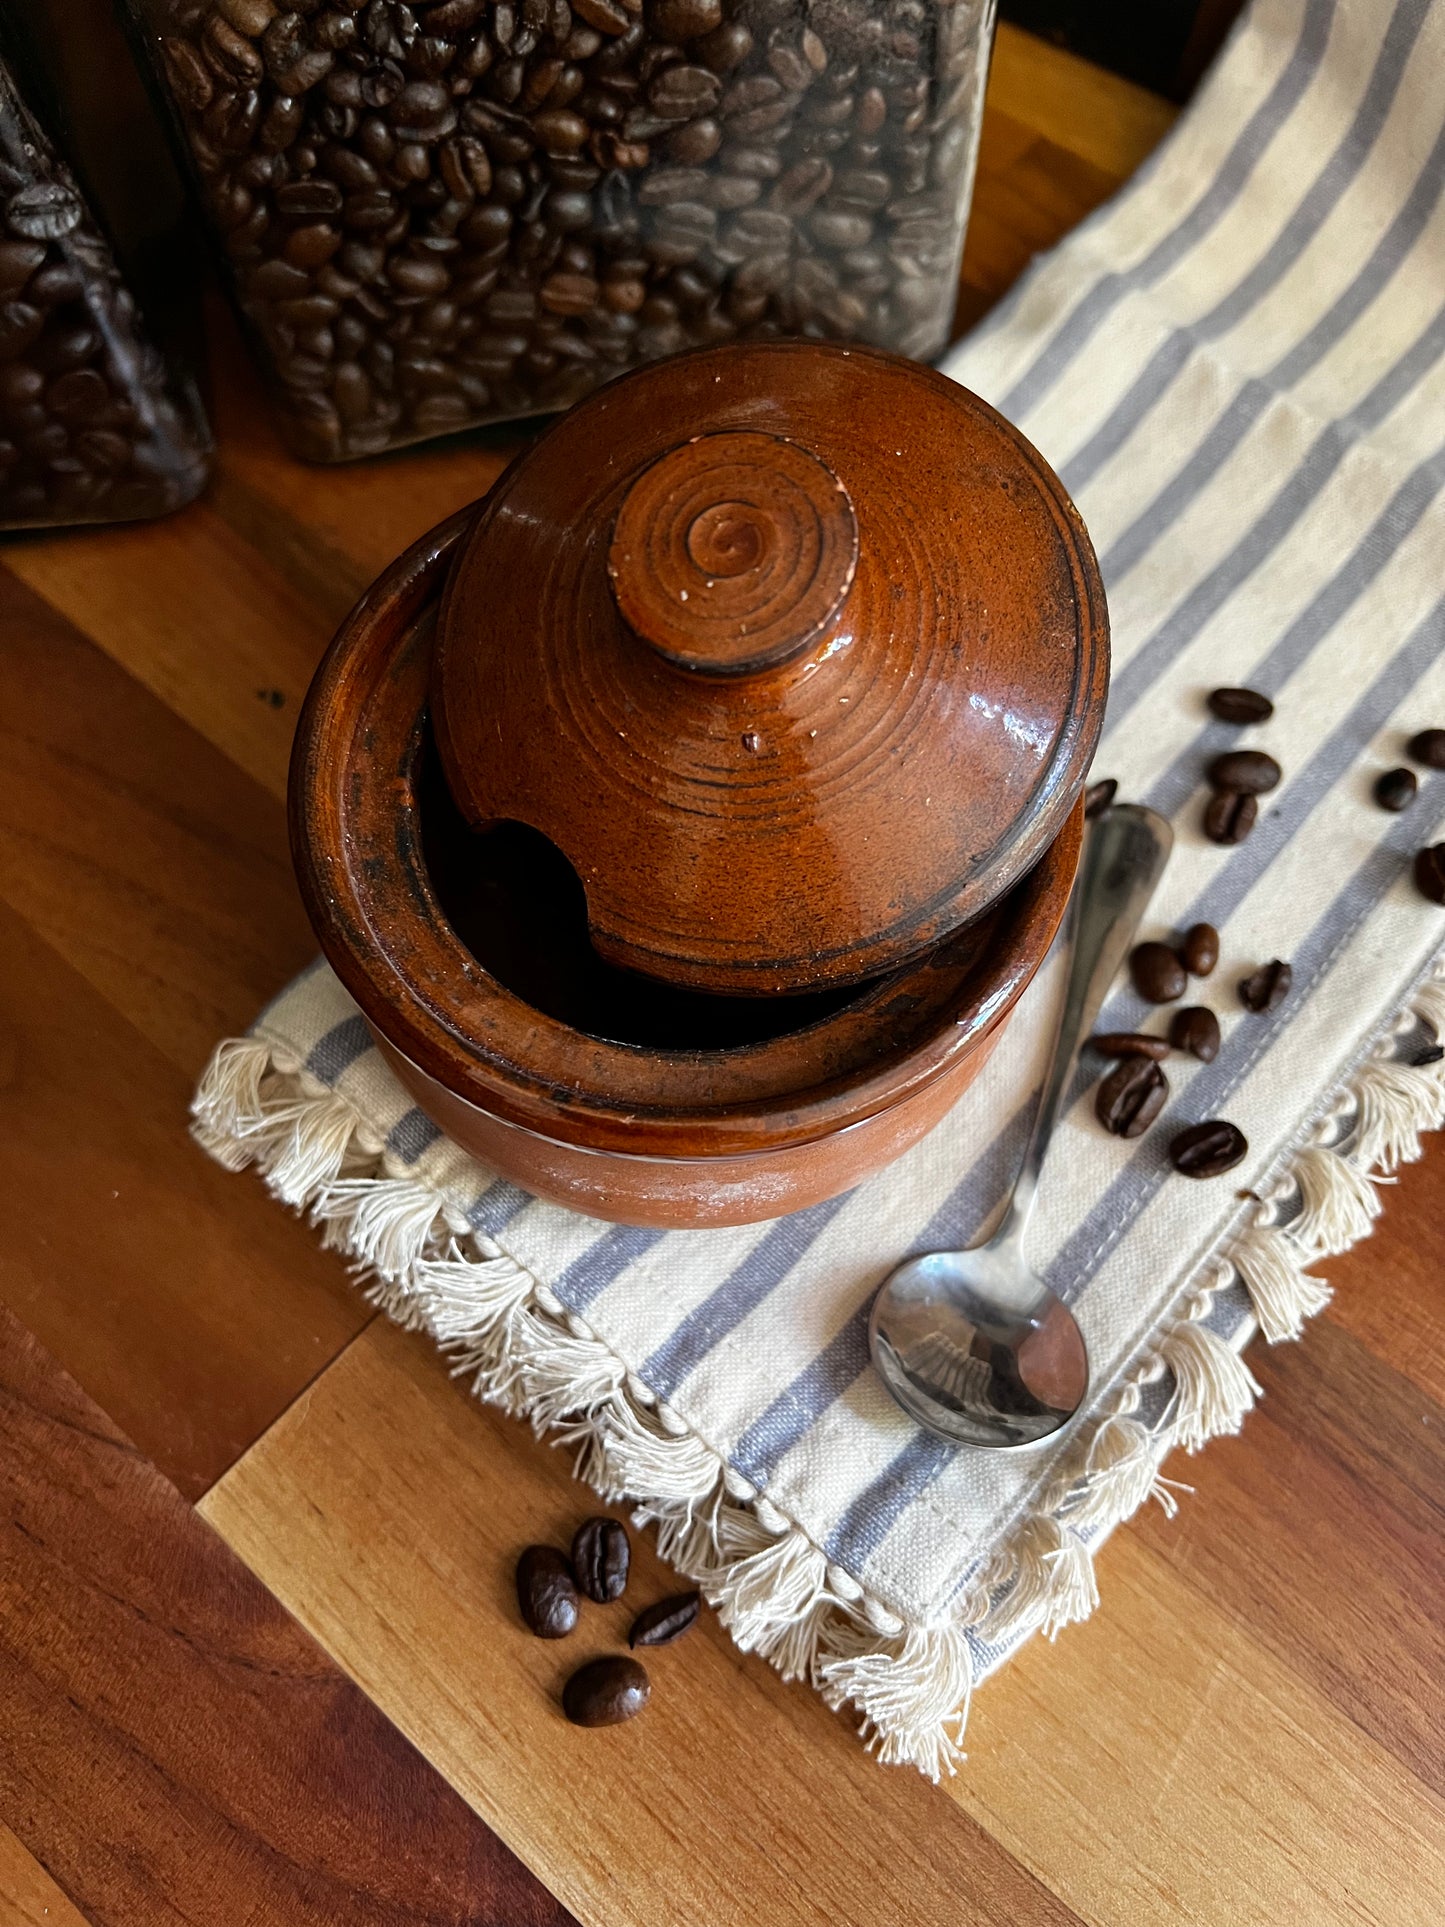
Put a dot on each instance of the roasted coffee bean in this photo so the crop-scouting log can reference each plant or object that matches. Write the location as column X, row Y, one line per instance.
column 1229, row 817
column 546, row 1592
column 668, row 1620
column 1395, row 789
column 1157, row 973
column 1265, row 989
column 685, row 19
column 1208, row 1150
column 1240, row 706
column 1199, row 950
column 1129, row 1043
column 1098, row 797
column 1428, row 747
column 601, row 1554
column 1244, row 772
column 606, row 1691
column 1131, row 1096
column 1195, row 1030
column 1430, row 872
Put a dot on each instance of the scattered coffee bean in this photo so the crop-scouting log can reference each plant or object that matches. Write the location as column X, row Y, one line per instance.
column 1395, row 789
column 1131, row 1097
column 1098, row 797
column 1428, row 747
column 1265, row 989
column 651, row 175
column 1157, row 973
column 1431, row 1054
column 668, row 1620
column 1196, row 1030
column 1199, row 951
column 1229, row 817
column 1129, row 1043
column 1430, row 872
column 1240, row 706
column 601, row 1554
column 606, row 1692
column 1208, row 1150
column 1244, row 772
column 546, row 1592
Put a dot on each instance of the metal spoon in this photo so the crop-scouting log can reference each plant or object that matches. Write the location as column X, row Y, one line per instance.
column 972, row 1343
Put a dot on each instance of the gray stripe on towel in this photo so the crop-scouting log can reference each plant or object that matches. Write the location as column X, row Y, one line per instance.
column 1329, row 186
column 1086, row 317
column 339, row 1049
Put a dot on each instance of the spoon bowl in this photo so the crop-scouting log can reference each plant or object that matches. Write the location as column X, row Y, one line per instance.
column 973, row 1344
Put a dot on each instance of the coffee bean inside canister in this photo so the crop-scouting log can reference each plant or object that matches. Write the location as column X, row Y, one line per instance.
column 388, row 180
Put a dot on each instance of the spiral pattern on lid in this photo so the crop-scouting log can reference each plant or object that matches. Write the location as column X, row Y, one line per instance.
column 733, row 552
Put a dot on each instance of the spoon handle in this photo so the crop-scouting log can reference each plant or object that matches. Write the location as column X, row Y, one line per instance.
column 1125, row 851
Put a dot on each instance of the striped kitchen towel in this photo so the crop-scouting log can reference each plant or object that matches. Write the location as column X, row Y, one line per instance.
column 1237, row 369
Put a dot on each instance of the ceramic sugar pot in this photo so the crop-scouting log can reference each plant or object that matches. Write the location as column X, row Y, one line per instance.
column 688, row 817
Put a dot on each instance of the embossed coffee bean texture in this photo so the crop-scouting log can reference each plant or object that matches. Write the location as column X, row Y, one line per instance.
column 447, row 213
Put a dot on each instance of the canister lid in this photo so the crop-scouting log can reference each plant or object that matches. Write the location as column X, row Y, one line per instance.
column 797, row 652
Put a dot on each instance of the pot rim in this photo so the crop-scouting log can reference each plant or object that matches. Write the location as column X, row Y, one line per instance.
column 356, row 849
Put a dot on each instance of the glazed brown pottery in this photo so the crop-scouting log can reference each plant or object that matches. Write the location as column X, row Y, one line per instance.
column 823, row 680
column 490, row 973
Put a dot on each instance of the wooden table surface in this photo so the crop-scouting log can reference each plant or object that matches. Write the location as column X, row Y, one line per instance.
column 1249, row 1730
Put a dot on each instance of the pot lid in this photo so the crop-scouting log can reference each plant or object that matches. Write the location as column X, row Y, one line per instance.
column 798, row 653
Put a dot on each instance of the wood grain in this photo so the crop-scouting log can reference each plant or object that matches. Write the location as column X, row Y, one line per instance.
column 1170, row 1762
column 176, row 1749
column 1321, row 1534
column 731, row 1798
column 138, row 851
column 187, row 1303
column 31, row 1898
column 1159, row 1767
column 1387, row 1290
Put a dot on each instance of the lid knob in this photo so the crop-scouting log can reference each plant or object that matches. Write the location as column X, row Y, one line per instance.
column 733, row 552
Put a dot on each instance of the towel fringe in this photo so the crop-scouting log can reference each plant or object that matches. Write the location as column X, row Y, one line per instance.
column 912, row 1690
column 1272, row 1266
column 1120, row 1472
column 1339, row 1201
column 508, row 1336
column 1397, row 1102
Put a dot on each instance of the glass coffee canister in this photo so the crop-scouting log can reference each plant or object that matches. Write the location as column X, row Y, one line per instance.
column 96, row 423
column 447, row 212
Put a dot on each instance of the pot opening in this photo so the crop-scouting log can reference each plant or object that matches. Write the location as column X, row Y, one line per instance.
column 517, row 904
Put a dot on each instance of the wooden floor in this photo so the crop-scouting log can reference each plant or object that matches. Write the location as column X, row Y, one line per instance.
column 1247, row 1732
